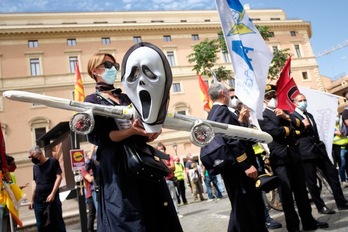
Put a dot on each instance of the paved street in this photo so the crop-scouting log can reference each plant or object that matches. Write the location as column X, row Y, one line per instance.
column 202, row 216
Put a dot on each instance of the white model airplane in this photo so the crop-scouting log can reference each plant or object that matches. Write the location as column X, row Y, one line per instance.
column 201, row 131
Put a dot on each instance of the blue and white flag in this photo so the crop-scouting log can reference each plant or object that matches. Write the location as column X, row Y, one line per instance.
column 249, row 53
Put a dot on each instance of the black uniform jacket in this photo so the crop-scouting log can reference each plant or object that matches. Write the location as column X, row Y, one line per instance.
column 309, row 142
column 283, row 148
column 243, row 153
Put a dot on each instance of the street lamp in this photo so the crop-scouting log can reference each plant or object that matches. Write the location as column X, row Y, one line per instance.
column 175, row 147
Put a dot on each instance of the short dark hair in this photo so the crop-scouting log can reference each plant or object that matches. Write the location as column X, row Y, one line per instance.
column 161, row 145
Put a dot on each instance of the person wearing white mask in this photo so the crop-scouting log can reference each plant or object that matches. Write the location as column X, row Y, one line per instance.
column 243, row 114
column 286, row 163
column 314, row 155
column 239, row 109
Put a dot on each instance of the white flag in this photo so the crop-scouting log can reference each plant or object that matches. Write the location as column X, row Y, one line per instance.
column 249, row 53
column 324, row 114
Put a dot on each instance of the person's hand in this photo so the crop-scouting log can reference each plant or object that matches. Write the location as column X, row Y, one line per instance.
column 153, row 136
column 305, row 122
column 251, row 172
column 244, row 114
column 138, row 128
column 50, row 198
column 31, row 205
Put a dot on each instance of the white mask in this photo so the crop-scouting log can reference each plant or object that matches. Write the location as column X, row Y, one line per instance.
column 147, row 77
column 273, row 103
column 234, row 102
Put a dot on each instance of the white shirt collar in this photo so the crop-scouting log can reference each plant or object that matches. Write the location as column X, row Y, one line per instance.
column 300, row 112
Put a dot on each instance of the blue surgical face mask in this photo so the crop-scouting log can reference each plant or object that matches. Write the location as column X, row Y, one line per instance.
column 302, row 105
column 109, row 75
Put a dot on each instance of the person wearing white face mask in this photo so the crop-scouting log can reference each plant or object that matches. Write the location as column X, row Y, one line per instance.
column 239, row 109
column 243, row 114
column 286, row 163
column 314, row 155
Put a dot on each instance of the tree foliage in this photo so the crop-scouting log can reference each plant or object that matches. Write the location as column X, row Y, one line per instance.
column 205, row 55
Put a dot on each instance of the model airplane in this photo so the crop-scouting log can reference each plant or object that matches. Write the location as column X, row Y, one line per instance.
column 201, row 131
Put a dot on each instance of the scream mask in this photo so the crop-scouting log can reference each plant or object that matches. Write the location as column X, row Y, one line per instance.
column 146, row 78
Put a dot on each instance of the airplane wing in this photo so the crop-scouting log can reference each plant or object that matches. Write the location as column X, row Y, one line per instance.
column 202, row 131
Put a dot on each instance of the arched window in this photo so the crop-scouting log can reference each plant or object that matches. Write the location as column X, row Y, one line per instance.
column 181, row 108
column 39, row 127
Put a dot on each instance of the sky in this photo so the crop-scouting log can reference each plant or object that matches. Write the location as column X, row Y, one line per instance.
column 327, row 18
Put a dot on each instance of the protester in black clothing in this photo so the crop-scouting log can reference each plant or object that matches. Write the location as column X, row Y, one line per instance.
column 314, row 155
column 286, row 163
column 127, row 203
column 247, row 212
column 47, row 176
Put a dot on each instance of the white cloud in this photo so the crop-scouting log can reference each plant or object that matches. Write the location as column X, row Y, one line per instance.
column 106, row 5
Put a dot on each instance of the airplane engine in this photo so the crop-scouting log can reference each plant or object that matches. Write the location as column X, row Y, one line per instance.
column 201, row 133
column 82, row 122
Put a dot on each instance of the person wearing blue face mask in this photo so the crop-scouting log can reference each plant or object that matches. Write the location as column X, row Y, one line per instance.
column 127, row 203
column 314, row 155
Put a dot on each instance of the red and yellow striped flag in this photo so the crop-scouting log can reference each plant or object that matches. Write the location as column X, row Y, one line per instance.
column 204, row 94
column 79, row 92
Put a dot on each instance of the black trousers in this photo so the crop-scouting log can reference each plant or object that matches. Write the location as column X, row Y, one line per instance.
column 293, row 184
column 247, row 212
column 91, row 214
column 181, row 191
column 330, row 173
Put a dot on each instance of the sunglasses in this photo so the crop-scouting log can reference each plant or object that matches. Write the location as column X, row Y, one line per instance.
column 108, row 65
column 234, row 97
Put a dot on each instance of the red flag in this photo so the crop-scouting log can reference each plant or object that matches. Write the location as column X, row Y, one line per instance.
column 2, row 152
column 204, row 94
column 286, row 88
column 79, row 92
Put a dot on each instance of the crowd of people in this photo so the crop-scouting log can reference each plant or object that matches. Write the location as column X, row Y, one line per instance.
column 120, row 202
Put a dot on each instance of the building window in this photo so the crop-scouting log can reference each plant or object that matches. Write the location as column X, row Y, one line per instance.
column 171, row 59
column 167, row 38
column 33, row 43
column 106, row 40
column 71, row 42
column 181, row 108
column 72, row 62
column 298, row 51
column 275, row 48
column 35, row 67
column 176, row 87
column 305, row 76
column 226, row 57
column 292, row 33
column 195, row 37
column 39, row 132
column 275, row 18
column 39, row 127
column 271, row 34
column 137, row 39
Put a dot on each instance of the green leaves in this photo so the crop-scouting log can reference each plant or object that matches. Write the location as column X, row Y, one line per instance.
column 205, row 55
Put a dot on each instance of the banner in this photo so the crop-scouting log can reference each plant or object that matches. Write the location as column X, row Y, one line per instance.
column 204, row 94
column 249, row 53
column 79, row 92
column 324, row 114
column 286, row 88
